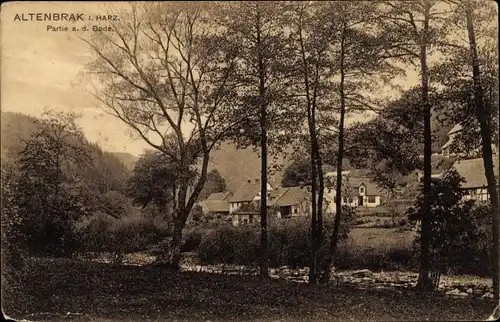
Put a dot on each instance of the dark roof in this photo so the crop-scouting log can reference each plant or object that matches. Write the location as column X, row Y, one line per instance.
column 472, row 171
column 371, row 188
column 290, row 196
column 246, row 192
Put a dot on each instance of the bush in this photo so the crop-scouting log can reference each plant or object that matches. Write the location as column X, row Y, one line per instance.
column 192, row 240
column 289, row 242
column 102, row 233
column 94, row 233
column 115, row 204
column 217, row 246
column 460, row 230
column 377, row 258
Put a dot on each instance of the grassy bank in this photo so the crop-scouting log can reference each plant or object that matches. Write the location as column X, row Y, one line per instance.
column 105, row 292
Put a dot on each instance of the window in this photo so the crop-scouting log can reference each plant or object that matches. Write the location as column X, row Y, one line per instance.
column 371, row 199
column 245, row 221
column 345, row 199
column 295, row 210
column 361, row 189
column 250, row 218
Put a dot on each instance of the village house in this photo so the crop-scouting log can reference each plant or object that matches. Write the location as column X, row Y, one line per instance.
column 291, row 202
column 452, row 134
column 217, row 205
column 288, row 202
column 361, row 193
column 364, row 193
column 472, row 170
column 243, row 204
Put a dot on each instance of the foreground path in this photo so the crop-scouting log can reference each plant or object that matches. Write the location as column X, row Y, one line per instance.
column 76, row 290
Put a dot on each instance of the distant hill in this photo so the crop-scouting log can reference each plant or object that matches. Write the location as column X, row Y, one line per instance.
column 237, row 166
column 127, row 159
column 107, row 172
column 15, row 128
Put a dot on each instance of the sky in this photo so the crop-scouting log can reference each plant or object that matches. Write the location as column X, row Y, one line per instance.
column 41, row 68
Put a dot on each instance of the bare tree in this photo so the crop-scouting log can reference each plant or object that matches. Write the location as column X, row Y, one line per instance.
column 159, row 74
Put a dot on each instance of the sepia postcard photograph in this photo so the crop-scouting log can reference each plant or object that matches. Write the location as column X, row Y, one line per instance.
column 262, row 161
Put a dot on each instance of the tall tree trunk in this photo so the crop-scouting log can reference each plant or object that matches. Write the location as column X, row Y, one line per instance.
column 319, row 226
column 172, row 257
column 487, row 153
column 327, row 270
column 313, row 154
column 264, row 264
column 264, row 243
column 313, row 265
column 313, row 158
column 182, row 208
column 424, row 281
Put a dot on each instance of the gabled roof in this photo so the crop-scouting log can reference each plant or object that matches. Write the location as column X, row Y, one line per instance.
column 371, row 188
column 447, row 144
column 219, row 195
column 290, row 196
column 216, row 205
column 246, row 192
column 472, row 170
column 217, row 202
column 455, row 129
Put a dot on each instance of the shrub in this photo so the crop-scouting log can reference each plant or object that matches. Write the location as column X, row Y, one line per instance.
column 94, row 232
column 102, row 233
column 460, row 230
column 192, row 240
column 289, row 242
column 217, row 246
column 383, row 257
column 116, row 204
column 294, row 244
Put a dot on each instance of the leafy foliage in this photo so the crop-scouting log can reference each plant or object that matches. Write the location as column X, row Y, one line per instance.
column 460, row 238
column 46, row 200
column 297, row 173
column 289, row 242
column 55, row 180
column 388, row 145
column 101, row 233
column 214, row 183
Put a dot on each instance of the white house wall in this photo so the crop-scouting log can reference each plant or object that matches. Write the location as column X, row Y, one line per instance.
column 367, row 204
column 477, row 194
